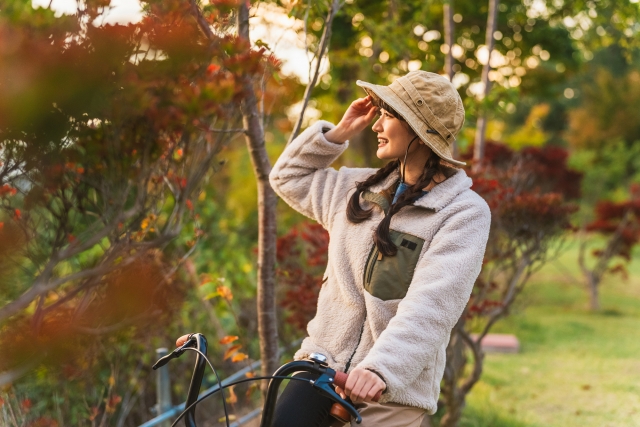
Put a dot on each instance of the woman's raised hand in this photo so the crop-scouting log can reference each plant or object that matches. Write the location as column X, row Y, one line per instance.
column 355, row 119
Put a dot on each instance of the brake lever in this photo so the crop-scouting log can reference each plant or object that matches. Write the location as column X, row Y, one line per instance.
column 191, row 341
column 323, row 385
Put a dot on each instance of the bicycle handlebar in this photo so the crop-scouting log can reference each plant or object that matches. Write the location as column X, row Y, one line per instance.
column 323, row 384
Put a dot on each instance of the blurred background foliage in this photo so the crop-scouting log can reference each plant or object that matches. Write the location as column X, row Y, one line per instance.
column 566, row 74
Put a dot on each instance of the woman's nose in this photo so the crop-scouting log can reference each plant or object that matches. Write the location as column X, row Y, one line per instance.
column 377, row 127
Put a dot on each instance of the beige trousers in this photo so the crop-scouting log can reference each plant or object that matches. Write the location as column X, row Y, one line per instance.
column 387, row 415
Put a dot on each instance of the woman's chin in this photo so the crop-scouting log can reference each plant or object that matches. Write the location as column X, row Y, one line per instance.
column 383, row 154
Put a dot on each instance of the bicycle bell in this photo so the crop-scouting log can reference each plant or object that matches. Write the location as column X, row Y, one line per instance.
column 319, row 358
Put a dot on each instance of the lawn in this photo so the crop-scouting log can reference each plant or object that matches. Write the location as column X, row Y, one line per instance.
column 575, row 368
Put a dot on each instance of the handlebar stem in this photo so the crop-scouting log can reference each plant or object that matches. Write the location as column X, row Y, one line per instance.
column 199, row 342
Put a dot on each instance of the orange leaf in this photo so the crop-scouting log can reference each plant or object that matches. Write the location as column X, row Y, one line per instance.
column 225, row 292
column 239, row 357
column 231, row 350
column 253, row 387
column 228, row 339
column 232, row 396
column 250, row 375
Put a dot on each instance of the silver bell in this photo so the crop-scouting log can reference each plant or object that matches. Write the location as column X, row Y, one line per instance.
column 318, row 357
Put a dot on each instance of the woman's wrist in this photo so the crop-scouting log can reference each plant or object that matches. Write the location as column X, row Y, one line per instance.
column 337, row 135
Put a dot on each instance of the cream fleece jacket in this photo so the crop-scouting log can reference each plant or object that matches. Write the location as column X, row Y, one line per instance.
column 404, row 340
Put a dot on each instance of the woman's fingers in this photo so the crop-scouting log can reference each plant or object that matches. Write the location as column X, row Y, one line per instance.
column 358, row 392
column 182, row 340
column 363, row 101
column 372, row 113
column 355, row 119
column 362, row 385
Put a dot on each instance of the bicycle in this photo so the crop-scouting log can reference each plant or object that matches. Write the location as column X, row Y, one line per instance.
column 317, row 364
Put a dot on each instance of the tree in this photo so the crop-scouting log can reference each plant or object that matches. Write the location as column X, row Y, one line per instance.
column 253, row 123
column 529, row 193
column 254, row 136
column 606, row 139
column 619, row 223
column 107, row 133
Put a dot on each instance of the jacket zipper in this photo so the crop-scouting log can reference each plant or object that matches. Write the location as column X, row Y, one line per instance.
column 374, row 258
column 346, row 368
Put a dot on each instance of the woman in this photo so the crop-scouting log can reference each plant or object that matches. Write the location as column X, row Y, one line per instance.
column 406, row 245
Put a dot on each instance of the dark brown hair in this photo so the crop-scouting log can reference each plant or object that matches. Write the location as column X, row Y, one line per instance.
column 356, row 214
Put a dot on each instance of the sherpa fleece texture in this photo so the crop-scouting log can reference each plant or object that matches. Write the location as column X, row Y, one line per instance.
column 404, row 340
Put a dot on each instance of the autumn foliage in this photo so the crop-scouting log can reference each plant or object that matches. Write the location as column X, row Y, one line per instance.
column 622, row 218
column 531, row 194
column 106, row 133
column 618, row 222
column 302, row 258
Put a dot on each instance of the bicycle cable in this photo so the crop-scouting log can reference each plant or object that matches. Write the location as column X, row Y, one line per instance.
column 224, row 403
column 220, row 387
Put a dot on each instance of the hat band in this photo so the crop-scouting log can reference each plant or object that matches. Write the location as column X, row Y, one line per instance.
column 425, row 111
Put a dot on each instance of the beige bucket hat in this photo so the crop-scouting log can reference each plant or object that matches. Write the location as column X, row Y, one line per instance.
column 430, row 104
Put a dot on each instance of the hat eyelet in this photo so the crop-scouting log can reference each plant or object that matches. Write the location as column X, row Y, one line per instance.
column 420, row 102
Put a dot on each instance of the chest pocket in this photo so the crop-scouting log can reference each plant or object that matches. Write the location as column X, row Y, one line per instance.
column 389, row 277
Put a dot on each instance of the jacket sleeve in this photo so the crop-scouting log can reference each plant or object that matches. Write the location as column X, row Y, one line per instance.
column 436, row 298
column 302, row 176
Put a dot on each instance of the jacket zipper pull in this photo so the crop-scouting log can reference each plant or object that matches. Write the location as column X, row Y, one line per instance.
column 379, row 256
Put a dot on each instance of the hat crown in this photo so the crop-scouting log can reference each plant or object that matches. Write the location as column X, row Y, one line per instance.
column 439, row 95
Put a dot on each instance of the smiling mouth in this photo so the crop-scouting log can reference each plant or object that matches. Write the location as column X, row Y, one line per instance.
column 382, row 142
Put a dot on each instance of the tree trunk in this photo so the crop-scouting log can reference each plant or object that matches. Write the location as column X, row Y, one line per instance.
column 447, row 8
column 266, row 301
column 591, row 277
column 452, row 395
column 594, row 299
column 481, row 127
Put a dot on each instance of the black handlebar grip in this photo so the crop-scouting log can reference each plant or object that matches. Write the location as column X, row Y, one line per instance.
column 341, row 380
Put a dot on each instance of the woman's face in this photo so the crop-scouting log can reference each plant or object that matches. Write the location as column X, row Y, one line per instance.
column 394, row 136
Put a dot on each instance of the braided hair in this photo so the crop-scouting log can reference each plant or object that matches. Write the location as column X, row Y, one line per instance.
column 356, row 214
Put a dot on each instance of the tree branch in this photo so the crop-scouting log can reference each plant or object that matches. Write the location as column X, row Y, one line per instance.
column 478, row 358
column 324, row 44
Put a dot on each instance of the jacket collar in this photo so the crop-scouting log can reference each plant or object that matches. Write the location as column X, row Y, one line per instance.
column 437, row 198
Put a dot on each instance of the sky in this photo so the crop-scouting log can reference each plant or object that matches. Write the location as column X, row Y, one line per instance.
column 121, row 12
column 269, row 23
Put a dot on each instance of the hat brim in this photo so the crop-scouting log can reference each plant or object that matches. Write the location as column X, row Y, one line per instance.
column 417, row 123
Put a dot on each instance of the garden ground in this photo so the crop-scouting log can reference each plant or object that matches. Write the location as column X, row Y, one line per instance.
column 575, row 368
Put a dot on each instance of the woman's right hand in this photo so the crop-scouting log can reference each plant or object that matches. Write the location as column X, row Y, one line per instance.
column 355, row 119
column 183, row 339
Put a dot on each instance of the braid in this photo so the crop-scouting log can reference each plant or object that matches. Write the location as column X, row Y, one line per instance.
column 382, row 237
column 355, row 213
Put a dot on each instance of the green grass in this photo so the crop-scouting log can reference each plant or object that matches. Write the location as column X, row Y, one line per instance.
column 575, row 368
